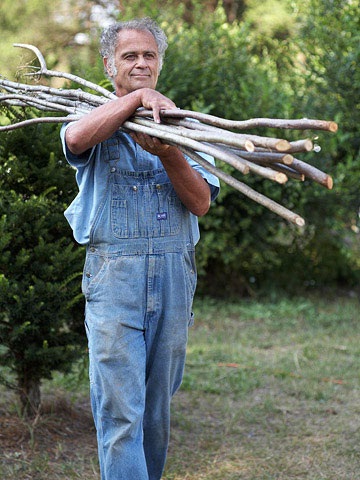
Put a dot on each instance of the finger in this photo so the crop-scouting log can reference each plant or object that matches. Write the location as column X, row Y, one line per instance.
column 156, row 115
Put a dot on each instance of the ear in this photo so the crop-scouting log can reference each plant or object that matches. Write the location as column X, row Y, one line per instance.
column 108, row 67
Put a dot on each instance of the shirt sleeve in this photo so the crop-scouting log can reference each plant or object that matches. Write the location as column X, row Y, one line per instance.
column 74, row 160
column 211, row 179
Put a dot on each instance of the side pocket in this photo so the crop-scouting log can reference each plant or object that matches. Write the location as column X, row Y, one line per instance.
column 191, row 280
column 92, row 274
column 191, row 271
column 191, row 319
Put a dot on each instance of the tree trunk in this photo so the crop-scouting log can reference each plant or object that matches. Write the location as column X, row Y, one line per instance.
column 30, row 396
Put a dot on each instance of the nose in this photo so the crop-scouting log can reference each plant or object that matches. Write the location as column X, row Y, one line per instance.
column 141, row 61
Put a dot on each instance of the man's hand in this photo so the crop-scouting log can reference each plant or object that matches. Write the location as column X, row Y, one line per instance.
column 189, row 185
column 150, row 144
column 155, row 101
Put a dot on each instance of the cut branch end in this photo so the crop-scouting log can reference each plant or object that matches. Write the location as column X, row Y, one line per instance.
column 333, row 127
column 249, row 146
column 329, row 183
column 300, row 222
column 281, row 178
column 283, row 146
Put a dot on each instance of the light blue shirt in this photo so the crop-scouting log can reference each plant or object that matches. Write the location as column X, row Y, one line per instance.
column 91, row 178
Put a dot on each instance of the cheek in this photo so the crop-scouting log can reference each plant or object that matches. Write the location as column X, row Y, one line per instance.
column 125, row 69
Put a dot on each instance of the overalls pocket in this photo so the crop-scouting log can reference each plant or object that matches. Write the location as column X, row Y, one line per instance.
column 94, row 269
column 145, row 211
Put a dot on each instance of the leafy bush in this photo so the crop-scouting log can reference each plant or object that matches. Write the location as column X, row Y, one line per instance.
column 40, row 303
column 233, row 72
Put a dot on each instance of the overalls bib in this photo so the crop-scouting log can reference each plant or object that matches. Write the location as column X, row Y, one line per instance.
column 139, row 281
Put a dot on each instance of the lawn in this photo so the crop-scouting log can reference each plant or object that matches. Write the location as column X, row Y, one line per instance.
column 271, row 391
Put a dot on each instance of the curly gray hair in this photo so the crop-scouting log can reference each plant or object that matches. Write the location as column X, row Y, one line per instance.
column 109, row 38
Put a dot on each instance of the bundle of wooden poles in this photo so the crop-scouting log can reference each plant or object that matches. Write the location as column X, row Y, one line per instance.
column 192, row 132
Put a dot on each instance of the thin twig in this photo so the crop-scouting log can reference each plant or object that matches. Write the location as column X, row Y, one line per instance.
column 32, row 121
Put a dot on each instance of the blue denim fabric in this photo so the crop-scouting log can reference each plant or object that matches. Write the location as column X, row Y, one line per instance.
column 139, row 281
column 92, row 172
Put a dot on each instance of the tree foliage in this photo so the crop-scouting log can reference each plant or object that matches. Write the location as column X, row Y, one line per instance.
column 299, row 60
column 329, row 38
column 237, row 59
column 40, row 267
column 236, row 72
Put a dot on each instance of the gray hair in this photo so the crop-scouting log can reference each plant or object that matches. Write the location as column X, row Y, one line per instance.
column 109, row 38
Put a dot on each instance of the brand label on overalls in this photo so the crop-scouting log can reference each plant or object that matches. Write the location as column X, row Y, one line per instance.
column 161, row 216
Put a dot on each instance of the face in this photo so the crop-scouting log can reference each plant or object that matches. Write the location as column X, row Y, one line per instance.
column 136, row 62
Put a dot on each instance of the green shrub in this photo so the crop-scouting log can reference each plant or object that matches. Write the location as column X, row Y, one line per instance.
column 40, row 266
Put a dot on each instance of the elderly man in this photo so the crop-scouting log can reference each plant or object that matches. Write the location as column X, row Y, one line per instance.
column 136, row 211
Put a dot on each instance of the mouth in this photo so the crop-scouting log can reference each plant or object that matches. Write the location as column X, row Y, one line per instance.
column 142, row 74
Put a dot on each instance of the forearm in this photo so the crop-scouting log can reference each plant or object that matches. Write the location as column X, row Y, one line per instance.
column 191, row 188
column 100, row 123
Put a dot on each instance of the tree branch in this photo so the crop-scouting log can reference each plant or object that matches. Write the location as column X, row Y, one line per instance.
column 68, row 76
column 192, row 132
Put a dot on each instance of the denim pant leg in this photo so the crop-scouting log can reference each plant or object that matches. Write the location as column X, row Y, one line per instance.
column 117, row 352
column 166, row 340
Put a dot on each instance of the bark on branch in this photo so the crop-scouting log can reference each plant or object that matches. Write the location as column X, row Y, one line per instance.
column 192, row 132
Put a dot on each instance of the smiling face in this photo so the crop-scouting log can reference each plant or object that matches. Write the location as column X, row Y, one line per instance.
column 136, row 62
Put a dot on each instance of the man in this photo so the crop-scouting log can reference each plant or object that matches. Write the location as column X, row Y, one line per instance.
column 136, row 211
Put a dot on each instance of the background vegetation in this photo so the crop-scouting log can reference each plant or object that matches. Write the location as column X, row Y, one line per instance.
column 237, row 59
column 41, row 307
column 241, row 59
column 270, row 392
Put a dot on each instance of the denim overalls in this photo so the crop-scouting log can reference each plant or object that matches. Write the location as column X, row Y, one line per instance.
column 139, row 281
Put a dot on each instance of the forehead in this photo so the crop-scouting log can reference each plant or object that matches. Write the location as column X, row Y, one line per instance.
column 135, row 40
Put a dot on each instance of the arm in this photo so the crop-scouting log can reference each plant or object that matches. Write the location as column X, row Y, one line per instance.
column 103, row 121
column 191, row 188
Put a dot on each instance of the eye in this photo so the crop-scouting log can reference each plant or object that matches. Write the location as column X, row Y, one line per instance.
column 130, row 57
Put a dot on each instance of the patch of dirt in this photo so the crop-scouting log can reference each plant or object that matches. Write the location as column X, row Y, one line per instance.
column 60, row 431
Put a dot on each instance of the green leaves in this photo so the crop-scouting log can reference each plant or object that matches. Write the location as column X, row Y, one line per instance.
column 239, row 72
column 40, row 265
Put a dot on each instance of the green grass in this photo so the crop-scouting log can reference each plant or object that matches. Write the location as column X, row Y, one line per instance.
column 270, row 392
